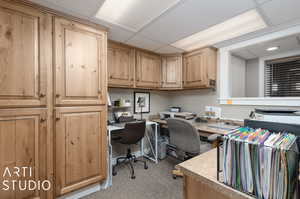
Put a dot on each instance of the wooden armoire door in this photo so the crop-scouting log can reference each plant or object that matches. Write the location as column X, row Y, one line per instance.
column 172, row 72
column 148, row 70
column 23, row 142
column 120, row 65
column 23, row 63
column 80, row 147
column 80, row 62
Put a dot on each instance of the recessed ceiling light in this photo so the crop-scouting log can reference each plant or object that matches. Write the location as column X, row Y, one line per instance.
column 242, row 24
column 273, row 48
column 133, row 14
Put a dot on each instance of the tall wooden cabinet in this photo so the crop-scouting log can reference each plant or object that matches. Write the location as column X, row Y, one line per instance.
column 199, row 68
column 171, row 74
column 148, row 69
column 25, row 114
column 120, row 65
column 53, row 90
column 80, row 81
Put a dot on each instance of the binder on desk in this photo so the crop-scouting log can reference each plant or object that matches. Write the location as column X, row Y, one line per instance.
column 262, row 163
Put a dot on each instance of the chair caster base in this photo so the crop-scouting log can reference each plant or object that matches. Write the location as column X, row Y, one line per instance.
column 145, row 167
column 133, row 177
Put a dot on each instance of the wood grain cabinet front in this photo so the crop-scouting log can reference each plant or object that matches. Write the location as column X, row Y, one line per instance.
column 80, row 147
column 171, row 72
column 80, row 63
column 23, row 153
column 148, row 70
column 24, row 40
column 199, row 68
column 120, row 65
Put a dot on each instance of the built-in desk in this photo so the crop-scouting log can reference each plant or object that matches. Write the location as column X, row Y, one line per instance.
column 201, row 127
column 200, row 179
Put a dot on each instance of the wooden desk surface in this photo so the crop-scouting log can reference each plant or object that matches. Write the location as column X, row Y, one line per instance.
column 204, row 169
column 202, row 127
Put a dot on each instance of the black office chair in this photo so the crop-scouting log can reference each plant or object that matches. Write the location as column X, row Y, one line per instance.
column 132, row 134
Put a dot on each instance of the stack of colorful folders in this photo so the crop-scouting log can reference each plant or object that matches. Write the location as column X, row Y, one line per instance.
column 261, row 163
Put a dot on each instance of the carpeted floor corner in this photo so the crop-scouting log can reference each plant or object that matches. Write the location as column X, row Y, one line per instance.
column 154, row 183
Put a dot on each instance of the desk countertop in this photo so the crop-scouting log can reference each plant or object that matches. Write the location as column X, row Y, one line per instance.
column 204, row 168
column 203, row 127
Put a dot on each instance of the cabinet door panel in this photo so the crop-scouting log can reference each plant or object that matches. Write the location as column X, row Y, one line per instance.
column 172, row 72
column 120, row 65
column 148, row 69
column 80, row 64
column 22, row 61
column 80, row 147
column 22, row 144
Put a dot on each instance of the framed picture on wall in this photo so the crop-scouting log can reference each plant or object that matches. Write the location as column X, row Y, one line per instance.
column 141, row 102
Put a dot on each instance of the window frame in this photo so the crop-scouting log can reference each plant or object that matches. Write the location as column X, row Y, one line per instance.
column 224, row 68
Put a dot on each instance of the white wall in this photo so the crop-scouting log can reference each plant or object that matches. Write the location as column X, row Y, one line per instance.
column 237, row 76
column 252, row 75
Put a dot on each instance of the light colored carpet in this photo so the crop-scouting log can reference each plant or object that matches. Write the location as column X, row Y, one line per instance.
column 154, row 183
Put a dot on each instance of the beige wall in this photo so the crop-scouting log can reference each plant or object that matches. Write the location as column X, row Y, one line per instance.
column 159, row 100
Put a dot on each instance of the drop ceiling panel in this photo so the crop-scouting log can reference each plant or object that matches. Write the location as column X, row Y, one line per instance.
column 193, row 16
column 259, row 50
column 244, row 53
column 83, row 8
column 285, row 45
column 261, row 1
column 281, row 11
column 168, row 50
column 133, row 14
column 145, row 43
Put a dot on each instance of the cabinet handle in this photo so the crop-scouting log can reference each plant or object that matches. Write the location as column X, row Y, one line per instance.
column 57, row 95
column 42, row 95
column 132, row 79
column 111, row 76
column 42, row 120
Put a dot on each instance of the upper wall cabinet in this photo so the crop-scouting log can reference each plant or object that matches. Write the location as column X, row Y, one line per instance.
column 120, row 65
column 199, row 68
column 172, row 72
column 80, row 62
column 148, row 70
column 25, row 35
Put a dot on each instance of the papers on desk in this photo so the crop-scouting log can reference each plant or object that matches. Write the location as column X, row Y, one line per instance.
column 261, row 163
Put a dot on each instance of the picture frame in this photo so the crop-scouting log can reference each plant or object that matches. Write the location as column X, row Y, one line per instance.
column 141, row 102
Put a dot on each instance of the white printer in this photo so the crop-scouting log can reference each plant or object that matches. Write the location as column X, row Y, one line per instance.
column 290, row 116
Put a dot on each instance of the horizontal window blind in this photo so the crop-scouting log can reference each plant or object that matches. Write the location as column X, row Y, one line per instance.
column 282, row 77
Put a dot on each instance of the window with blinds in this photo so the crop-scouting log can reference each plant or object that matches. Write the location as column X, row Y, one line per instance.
column 282, row 77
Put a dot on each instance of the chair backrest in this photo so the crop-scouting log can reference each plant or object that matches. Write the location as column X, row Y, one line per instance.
column 184, row 136
column 133, row 132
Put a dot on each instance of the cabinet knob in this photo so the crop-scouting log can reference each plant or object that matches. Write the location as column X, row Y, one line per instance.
column 42, row 95
column 57, row 95
column 110, row 76
column 42, row 120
